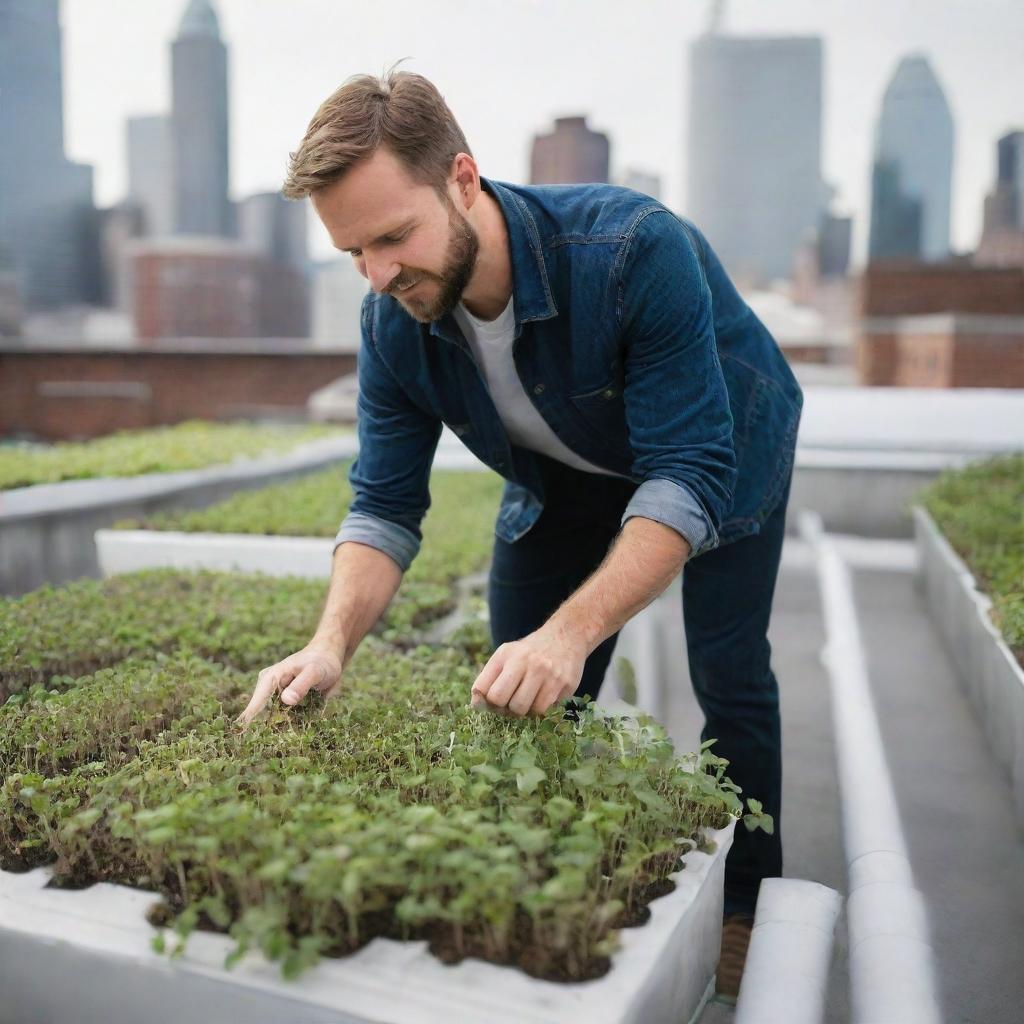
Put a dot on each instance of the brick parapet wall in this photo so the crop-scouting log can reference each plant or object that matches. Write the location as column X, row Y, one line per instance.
column 62, row 395
column 917, row 288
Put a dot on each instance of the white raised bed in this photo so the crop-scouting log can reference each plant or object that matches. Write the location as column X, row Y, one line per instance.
column 986, row 666
column 46, row 531
column 84, row 956
column 121, row 551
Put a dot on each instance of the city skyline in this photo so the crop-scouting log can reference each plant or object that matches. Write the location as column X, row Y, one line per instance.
column 641, row 106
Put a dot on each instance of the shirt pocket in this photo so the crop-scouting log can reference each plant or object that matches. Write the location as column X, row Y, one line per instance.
column 603, row 408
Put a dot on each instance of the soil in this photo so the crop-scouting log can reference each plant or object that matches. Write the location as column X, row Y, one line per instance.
column 523, row 952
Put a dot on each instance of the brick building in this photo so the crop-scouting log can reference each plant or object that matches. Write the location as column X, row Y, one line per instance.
column 185, row 287
column 944, row 325
column 571, row 153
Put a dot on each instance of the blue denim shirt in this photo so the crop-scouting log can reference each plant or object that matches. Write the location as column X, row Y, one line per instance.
column 634, row 346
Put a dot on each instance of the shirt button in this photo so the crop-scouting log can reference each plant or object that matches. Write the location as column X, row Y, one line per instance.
column 539, row 389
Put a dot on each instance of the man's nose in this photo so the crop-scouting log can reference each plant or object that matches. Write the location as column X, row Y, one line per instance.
column 380, row 272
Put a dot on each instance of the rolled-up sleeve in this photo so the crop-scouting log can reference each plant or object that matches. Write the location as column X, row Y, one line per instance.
column 677, row 403
column 390, row 477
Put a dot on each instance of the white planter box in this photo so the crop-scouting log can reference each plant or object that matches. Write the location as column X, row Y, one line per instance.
column 84, row 957
column 985, row 664
column 130, row 550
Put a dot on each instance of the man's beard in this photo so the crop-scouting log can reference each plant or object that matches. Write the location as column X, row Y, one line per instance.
column 460, row 261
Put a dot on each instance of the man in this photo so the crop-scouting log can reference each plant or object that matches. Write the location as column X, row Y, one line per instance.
column 585, row 343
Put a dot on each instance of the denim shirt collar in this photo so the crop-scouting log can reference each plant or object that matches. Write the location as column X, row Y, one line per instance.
column 530, row 286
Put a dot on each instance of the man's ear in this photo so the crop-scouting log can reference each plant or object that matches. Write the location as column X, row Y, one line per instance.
column 466, row 178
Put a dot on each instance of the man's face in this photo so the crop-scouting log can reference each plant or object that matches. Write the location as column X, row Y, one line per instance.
column 405, row 240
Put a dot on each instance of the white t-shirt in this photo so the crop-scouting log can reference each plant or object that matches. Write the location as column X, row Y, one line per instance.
column 491, row 344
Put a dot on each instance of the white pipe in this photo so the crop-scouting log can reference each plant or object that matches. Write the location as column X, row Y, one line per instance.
column 892, row 975
column 786, row 975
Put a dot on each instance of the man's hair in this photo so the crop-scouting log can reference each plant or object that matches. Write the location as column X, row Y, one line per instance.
column 400, row 110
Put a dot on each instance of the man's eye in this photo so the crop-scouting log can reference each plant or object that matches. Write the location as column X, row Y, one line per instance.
column 390, row 240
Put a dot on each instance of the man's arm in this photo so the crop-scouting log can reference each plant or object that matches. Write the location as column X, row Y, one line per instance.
column 677, row 403
column 363, row 582
column 531, row 674
column 379, row 536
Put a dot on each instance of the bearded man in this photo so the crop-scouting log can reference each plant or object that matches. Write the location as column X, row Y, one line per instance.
column 585, row 343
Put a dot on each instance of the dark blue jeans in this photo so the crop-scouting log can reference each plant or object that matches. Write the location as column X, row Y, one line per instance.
column 727, row 599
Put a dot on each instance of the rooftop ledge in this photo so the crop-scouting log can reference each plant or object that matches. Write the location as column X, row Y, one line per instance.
column 963, row 323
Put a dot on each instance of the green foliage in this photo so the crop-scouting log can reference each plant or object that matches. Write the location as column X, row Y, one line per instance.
column 393, row 809
column 52, row 635
column 396, row 810
column 107, row 715
column 188, row 445
column 307, row 506
column 980, row 509
column 457, row 530
column 246, row 621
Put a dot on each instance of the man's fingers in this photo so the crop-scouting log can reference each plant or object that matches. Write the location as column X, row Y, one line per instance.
column 293, row 678
column 545, row 696
column 484, row 681
column 266, row 685
column 526, row 693
column 312, row 675
column 501, row 690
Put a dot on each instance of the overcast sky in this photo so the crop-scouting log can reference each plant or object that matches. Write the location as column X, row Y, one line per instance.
column 507, row 67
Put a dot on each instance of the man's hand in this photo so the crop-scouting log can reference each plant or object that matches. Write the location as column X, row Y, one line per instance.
column 316, row 667
column 529, row 675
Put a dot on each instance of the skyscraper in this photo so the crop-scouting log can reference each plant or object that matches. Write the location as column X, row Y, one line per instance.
column 199, row 93
column 276, row 226
column 834, row 236
column 753, row 149
column 913, row 166
column 151, row 171
column 641, row 181
column 47, row 219
column 896, row 215
column 571, row 153
column 1010, row 167
column 1002, row 235
column 1004, row 205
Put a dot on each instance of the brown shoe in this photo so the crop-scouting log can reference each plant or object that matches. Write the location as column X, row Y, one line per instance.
column 735, row 938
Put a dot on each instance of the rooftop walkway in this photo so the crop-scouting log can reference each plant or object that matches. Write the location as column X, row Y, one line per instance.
column 955, row 805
